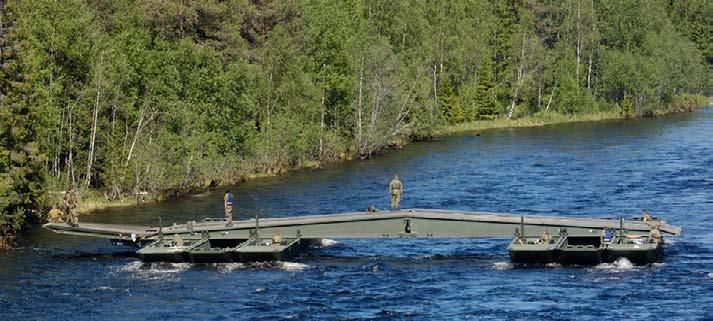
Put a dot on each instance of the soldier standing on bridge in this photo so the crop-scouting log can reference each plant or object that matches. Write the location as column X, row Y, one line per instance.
column 396, row 189
column 70, row 202
column 228, row 204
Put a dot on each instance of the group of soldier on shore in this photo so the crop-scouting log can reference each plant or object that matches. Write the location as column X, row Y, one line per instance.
column 67, row 211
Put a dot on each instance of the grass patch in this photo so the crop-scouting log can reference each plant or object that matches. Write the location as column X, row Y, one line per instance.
column 539, row 119
column 91, row 200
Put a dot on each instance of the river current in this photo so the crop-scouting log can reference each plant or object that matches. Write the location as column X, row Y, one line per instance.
column 602, row 169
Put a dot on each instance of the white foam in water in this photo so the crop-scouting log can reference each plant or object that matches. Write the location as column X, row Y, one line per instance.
column 502, row 265
column 710, row 275
column 170, row 267
column 131, row 267
column 292, row 266
column 669, row 241
column 102, row 288
column 621, row 264
column 227, row 267
column 329, row 242
column 154, row 271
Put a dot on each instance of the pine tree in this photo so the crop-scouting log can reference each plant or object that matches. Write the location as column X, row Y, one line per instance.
column 21, row 179
column 451, row 104
column 486, row 106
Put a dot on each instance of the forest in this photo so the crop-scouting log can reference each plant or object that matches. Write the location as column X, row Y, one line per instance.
column 167, row 96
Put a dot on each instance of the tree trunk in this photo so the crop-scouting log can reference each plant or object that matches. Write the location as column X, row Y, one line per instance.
column 549, row 102
column 579, row 41
column 359, row 107
column 435, row 84
column 92, row 140
column 136, row 137
column 267, row 105
column 589, row 72
column 403, row 112
column 70, row 156
column 139, row 128
column 539, row 96
column 514, row 101
column 592, row 49
column 181, row 18
column 520, row 76
column 321, row 126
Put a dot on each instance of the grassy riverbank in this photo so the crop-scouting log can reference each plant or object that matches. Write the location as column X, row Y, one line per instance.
column 685, row 103
column 540, row 119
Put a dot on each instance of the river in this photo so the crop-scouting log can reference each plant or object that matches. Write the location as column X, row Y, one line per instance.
column 664, row 165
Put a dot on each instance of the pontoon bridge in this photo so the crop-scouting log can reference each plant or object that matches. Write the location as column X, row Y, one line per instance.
column 211, row 240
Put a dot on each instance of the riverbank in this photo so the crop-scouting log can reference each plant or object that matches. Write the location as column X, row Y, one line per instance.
column 540, row 119
column 684, row 103
column 93, row 200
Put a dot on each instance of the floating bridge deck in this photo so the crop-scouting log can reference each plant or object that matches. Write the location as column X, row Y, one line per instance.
column 403, row 223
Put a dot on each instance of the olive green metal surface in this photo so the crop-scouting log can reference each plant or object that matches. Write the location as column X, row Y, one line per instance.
column 403, row 223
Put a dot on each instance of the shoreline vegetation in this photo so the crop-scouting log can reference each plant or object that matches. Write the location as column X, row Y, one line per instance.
column 161, row 98
column 95, row 200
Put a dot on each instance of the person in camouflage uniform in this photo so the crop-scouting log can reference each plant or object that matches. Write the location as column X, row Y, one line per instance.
column 396, row 189
column 55, row 214
column 70, row 202
column 228, row 200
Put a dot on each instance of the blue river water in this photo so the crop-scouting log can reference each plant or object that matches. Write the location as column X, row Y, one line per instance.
column 602, row 169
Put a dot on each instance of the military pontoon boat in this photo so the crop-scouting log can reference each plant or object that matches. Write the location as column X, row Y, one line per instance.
column 587, row 249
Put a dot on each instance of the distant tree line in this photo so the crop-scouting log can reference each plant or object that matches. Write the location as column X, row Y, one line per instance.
column 166, row 95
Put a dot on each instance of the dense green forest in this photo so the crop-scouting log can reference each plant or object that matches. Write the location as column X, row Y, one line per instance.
column 168, row 95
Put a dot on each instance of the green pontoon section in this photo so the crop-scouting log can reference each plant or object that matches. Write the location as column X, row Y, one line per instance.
column 585, row 250
column 533, row 250
column 581, row 250
column 202, row 251
column 265, row 250
column 637, row 249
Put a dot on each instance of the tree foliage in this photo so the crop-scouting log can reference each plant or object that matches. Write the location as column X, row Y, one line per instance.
column 166, row 95
column 21, row 161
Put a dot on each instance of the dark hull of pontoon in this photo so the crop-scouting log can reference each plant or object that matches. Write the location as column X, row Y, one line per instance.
column 532, row 256
column 636, row 256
